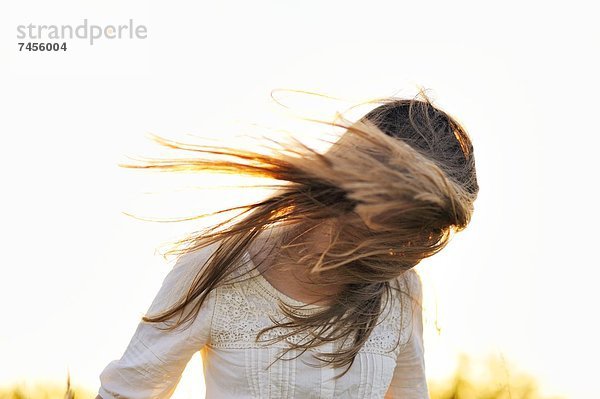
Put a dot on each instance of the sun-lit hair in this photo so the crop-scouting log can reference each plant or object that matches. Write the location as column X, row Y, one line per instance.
column 395, row 187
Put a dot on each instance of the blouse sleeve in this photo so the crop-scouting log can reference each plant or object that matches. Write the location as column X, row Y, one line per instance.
column 155, row 359
column 409, row 379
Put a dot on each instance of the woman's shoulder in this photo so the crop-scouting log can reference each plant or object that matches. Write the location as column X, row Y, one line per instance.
column 411, row 280
column 179, row 279
column 409, row 290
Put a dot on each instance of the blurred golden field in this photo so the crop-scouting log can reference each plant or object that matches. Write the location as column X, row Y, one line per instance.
column 491, row 380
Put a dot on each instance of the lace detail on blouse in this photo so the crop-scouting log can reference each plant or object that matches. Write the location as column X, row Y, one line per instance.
column 243, row 309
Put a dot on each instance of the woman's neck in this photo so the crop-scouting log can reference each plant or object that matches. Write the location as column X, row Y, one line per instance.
column 290, row 275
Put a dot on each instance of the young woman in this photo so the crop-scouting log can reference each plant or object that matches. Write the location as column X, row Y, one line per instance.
column 310, row 293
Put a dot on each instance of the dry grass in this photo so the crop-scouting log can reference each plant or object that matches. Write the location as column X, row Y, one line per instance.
column 492, row 380
column 45, row 391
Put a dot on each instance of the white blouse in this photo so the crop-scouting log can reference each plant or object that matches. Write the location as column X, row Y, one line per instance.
column 235, row 366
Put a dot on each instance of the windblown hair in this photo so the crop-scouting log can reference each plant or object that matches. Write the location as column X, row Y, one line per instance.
column 397, row 184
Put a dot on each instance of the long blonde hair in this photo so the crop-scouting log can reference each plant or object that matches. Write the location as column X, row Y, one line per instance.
column 397, row 184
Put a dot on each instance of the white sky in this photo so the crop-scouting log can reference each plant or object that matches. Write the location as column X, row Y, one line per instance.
column 78, row 274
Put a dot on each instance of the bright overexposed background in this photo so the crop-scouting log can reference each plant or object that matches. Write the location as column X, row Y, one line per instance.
column 520, row 283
